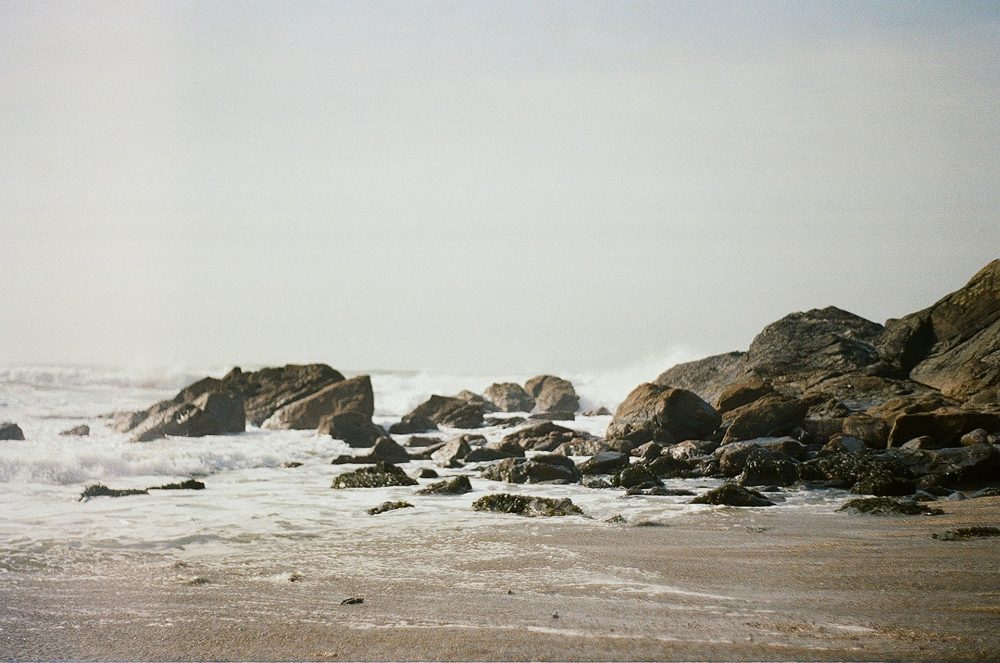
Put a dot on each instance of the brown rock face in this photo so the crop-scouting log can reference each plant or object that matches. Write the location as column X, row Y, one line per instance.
column 354, row 395
column 742, row 393
column 662, row 414
column 552, row 394
column 354, row 428
column 946, row 426
column 510, row 397
column 707, row 377
column 447, row 411
column 767, row 417
column 269, row 389
column 218, row 411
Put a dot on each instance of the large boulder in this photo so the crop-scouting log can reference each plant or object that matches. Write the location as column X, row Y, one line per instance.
column 882, row 474
column 527, row 505
column 768, row 468
column 510, row 397
column 216, row 411
column 270, row 389
column 354, row 395
column 447, row 411
column 742, row 393
column 766, row 417
column 354, row 428
column 10, row 431
column 552, row 394
column 945, row 426
column 708, row 377
column 653, row 412
column 545, row 468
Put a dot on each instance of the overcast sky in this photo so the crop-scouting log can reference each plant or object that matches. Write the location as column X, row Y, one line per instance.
column 499, row 186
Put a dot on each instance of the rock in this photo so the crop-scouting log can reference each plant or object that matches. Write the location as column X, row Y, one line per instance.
column 966, row 533
column 10, row 431
column 452, row 453
column 844, row 443
column 972, row 438
column 379, row 475
column 873, row 431
column 732, row 495
column 951, row 466
column 922, row 442
column 742, row 393
column 733, row 457
column 291, row 464
column 216, row 411
column 526, row 505
column 100, row 490
column 387, row 506
column 425, row 473
column 648, row 451
column 488, row 454
column 543, row 437
column 83, row 430
column 552, row 416
column 582, row 447
column 354, row 428
column 419, row 441
column 446, row 411
column 659, row 491
column 386, row 450
column 821, row 430
column 504, row 422
column 598, row 412
column 992, row 491
column 510, row 397
column 880, row 475
column 595, row 483
column 768, row 416
column 670, row 467
column 708, row 377
column 946, row 426
column 689, row 449
column 638, row 474
column 605, row 462
column 472, row 397
column 539, row 469
column 663, row 414
column 552, row 394
column 270, row 389
column 190, row 484
column 884, row 506
column 763, row 468
column 411, row 423
column 454, row 486
column 354, row 395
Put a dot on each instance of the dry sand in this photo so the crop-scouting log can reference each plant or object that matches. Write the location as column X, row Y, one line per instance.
column 761, row 584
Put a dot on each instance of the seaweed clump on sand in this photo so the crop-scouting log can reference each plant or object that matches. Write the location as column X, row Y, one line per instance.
column 526, row 505
column 966, row 533
column 884, row 506
column 100, row 490
column 457, row 486
column 388, row 506
column 379, row 475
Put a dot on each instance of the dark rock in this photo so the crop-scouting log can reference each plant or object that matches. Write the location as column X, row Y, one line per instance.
column 454, row 486
column 488, row 454
column 667, row 466
column 884, row 506
column 510, row 397
column 844, row 443
column 270, row 389
column 952, row 466
column 731, row 494
column 821, row 430
column 552, row 416
column 539, row 469
column 388, row 506
column 946, row 426
column 83, row 430
column 763, row 467
column 707, row 377
column 291, row 464
column 100, row 490
column 413, row 424
column 10, row 431
column 742, row 393
column 543, row 437
column 526, row 505
column 352, row 601
column 662, row 414
column 190, row 484
column 354, row 395
column 379, row 475
column 658, row 491
column 419, row 441
column 354, row 428
column 476, row 399
column 733, row 457
column 873, row 431
column 505, row 422
column 215, row 411
column 638, row 474
column 426, row 473
column 596, row 483
column 386, row 450
column 867, row 474
column 605, row 462
column 966, row 533
column 768, row 416
column 452, row 453
column 972, row 438
column 446, row 411
column 552, row 394
column 689, row 449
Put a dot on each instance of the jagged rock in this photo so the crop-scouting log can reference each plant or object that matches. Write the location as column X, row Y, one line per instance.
column 388, row 506
column 543, row 437
column 667, row 466
column 972, row 438
column 526, row 505
column 552, row 394
column 707, row 377
column 354, row 395
column 873, row 431
column 991, row 491
column 452, row 453
column 100, row 490
column 742, row 393
column 856, row 392
column 454, row 486
column 189, row 484
column 605, row 462
column 269, row 389
column 648, row 451
column 510, row 397
column 291, row 464
column 379, row 475
column 659, row 491
column 946, row 426
column 765, row 468
column 386, row 450
column 10, row 431
column 881, row 474
column 354, row 428
column 952, row 466
column 83, row 430
column 844, row 443
column 662, row 414
column 412, row 423
column 538, row 469
column 821, row 430
column 732, row 495
column 446, row 411
column 768, row 416
column 884, row 506
column 216, row 411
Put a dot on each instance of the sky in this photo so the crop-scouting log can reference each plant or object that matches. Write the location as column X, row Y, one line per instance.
column 482, row 186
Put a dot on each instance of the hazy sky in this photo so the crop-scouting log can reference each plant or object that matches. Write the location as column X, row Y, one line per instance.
column 502, row 186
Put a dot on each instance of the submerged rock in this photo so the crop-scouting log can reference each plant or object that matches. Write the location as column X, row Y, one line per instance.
column 884, row 506
column 10, row 431
column 190, row 484
column 379, row 475
column 100, row 490
column 731, row 494
column 526, row 505
column 388, row 506
column 455, row 486
column 83, row 430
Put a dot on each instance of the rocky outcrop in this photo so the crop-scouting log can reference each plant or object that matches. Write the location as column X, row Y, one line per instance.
column 447, row 411
column 217, row 410
column 742, row 393
column 527, row 505
column 10, row 431
column 270, row 389
column 552, row 394
column 354, row 395
column 510, row 397
column 653, row 412
column 546, row 468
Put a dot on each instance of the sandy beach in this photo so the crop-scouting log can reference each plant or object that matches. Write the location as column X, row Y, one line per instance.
column 736, row 584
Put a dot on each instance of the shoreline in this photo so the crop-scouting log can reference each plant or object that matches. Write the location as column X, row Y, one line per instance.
column 734, row 584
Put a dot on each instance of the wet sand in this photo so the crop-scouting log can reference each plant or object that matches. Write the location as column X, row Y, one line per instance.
column 751, row 584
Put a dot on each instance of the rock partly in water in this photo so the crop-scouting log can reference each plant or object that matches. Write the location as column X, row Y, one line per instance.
column 100, row 490
column 510, row 397
column 552, row 394
column 542, row 437
column 386, row 450
column 766, row 468
column 452, row 453
column 652, row 412
column 413, row 423
column 526, row 505
column 83, row 430
column 10, row 431
column 189, row 484
column 354, row 428
column 605, row 462
column 354, row 395
column 270, row 389
column 544, row 468
column 380, row 475
column 447, row 411
column 216, row 410
column 885, row 506
column 966, row 533
column 731, row 494
column 455, row 486
column 769, row 416
column 389, row 506
column 425, row 473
